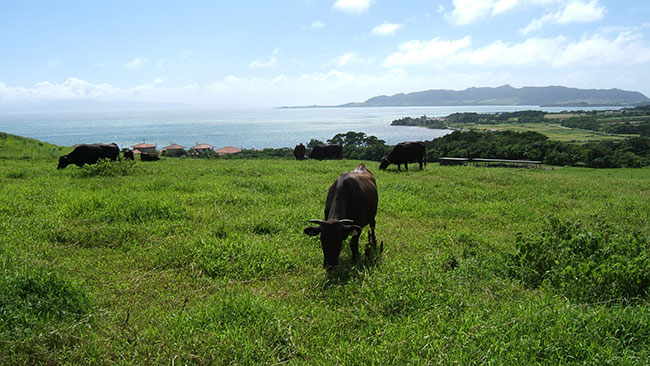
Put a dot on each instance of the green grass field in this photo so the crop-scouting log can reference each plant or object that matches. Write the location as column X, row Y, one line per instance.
column 552, row 130
column 204, row 262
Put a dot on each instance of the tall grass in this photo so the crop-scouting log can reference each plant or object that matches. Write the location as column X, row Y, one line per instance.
column 204, row 262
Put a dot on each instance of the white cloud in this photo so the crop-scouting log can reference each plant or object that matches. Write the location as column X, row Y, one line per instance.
column 573, row 11
column 503, row 6
column 347, row 59
column 624, row 48
column 468, row 11
column 557, row 11
column 318, row 25
column 579, row 11
column 135, row 63
column 53, row 63
column 418, row 52
column 356, row 7
column 270, row 63
column 77, row 89
column 385, row 29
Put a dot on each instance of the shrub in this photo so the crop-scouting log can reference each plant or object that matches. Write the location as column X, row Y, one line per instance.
column 107, row 168
column 585, row 264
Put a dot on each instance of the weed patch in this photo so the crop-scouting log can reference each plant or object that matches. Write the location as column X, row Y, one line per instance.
column 599, row 263
column 33, row 298
column 107, row 168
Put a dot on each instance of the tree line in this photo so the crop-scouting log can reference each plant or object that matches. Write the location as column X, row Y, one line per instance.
column 632, row 121
column 630, row 152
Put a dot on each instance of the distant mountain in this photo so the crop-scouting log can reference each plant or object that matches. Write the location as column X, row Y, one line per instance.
column 507, row 95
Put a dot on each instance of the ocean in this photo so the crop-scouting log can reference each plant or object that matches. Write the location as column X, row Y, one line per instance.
column 244, row 128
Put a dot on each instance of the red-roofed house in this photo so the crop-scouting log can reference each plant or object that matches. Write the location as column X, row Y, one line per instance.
column 173, row 150
column 200, row 149
column 228, row 150
column 144, row 147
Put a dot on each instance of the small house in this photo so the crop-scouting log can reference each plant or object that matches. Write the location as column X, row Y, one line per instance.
column 145, row 148
column 228, row 150
column 174, row 150
column 200, row 149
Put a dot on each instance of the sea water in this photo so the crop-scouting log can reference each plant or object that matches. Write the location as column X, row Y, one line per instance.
column 248, row 128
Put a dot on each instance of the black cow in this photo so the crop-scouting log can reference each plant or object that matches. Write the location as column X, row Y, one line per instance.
column 326, row 151
column 89, row 154
column 299, row 151
column 149, row 156
column 128, row 154
column 403, row 153
column 351, row 204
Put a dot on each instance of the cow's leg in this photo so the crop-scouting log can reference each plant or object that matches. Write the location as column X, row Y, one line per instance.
column 406, row 166
column 420, row 161
column 372, row 241
column 399, row 166
column 354, row 247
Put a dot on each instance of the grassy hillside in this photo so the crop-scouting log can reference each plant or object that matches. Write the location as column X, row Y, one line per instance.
column 17, row 147
column 204, row 262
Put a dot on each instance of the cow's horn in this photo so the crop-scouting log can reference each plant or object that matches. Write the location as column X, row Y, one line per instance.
column 346, row 221
column 319, row 222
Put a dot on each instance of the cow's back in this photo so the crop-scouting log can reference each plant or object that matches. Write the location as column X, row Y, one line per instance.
column 324, row 151
column 407, row 151
column 353, row 196
column 109, row 151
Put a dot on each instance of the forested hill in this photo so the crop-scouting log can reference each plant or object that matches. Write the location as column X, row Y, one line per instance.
column 507, row 95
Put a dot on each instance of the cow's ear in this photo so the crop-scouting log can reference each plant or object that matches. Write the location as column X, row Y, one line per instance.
column 312, row 230
column 351, row 230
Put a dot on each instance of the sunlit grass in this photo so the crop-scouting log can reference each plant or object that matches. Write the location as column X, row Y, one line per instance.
column 553, row 131
column 205, row 262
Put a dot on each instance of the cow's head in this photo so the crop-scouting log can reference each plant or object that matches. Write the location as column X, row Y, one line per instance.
column 385, row 162
column 63, row 162
column 332, row 234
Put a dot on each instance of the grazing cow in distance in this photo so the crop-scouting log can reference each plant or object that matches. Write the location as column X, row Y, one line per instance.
column 326, row 151
column 128, row 154
column 149, row 156
column 403, row 153
column 299, row 151
column 351, row 204
column 89, row 154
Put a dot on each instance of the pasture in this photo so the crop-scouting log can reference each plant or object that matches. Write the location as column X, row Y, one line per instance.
column 554, row 131
column 205, row 262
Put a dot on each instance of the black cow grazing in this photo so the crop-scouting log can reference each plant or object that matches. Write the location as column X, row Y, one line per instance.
column 326, row 151
column 128, row 154
column 299, row 151
column 89, row 154
column 149, row 156
column 351, row 204
column 403, row 153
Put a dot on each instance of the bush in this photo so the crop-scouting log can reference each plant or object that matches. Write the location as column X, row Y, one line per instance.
column 585, row 264
column 107, row 168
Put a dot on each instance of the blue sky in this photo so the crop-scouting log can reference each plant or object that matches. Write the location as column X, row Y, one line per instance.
column 303, row 52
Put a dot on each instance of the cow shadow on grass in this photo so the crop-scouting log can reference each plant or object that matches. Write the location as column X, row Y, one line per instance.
column 349, row 270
